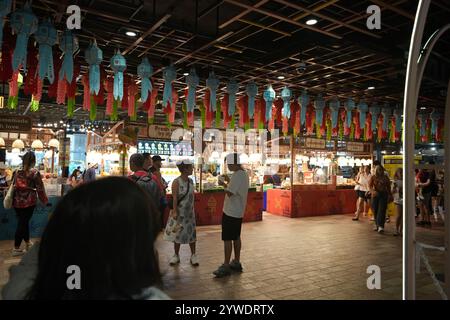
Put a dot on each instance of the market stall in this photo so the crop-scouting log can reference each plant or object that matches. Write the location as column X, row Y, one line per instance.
column 317, row 177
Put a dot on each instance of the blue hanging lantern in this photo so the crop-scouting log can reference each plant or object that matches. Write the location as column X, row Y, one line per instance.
column 319, row 103
column 362, row 108
column 398, row 112
column 334, row 107
column 145, row 71
column 386, row 112
column 94, row 56
column 192, row 82
column 286, row 95
column 169, row 75
column 375, row 111
column 435, row 116
column 212, row 83
column 423, row 123
column 350, row 105
column 46, row 37
column 24, row 23
column 303, row 100
column 5, row 9
column 68, row 45
column 252, row 92
column 118, row 65
column 269, row 97
column 232, row 89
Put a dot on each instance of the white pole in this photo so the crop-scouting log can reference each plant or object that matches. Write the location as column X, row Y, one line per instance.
column 410, row 108
column 447, row 191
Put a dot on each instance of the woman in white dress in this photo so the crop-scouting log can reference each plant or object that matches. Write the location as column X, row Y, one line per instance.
column 183, row 212
column 362, row 187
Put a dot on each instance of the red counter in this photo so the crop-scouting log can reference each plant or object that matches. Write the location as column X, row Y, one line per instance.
column 208, row 207
column 308, row 201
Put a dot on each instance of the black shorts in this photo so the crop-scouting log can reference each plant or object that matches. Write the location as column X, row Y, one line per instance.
column 362, row 194
column 231, row 228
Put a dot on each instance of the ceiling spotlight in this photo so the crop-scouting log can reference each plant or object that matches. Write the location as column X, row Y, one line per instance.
column 422, row 108
column 130, row 33
column 185, row 74
column 311, row 22
column 370, row 88
column 280, row 77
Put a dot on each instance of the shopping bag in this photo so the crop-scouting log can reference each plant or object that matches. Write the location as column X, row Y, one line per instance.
column 172, row 229
column 9, row 197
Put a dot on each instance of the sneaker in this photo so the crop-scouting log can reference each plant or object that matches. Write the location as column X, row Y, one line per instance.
column 380, row 230
column 355, row 218
column 236, row 266
column 17, row 252
column 375, row 228
column 175, row 260
column 388, row 220
column 436, row 217
column 28, row 245
column 222, row 271
column 194, row 260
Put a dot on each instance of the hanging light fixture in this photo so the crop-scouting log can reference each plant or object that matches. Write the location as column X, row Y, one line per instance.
column 54, row 143
column 2, row 143
column 37, row 145
column 18, row 144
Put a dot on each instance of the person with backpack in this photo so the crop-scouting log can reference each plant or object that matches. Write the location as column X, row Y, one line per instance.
column 28, row 187
column 143, row 178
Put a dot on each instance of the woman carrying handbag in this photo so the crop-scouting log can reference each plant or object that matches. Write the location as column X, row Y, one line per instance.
column 26, row 188
column 180, row 228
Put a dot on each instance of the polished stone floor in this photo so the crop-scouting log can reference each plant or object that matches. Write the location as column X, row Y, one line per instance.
column 283, row 258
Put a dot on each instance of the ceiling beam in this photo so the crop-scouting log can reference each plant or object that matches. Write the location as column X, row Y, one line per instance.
column 243, row 13
column 259, row 25
column 148, row 32
column 394, row 9
column 283, row 18
column 325, row 17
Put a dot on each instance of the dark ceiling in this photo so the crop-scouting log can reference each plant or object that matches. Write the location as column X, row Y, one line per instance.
column 262, row 39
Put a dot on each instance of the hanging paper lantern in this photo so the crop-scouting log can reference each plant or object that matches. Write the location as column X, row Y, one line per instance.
column 46, row 37
column 145, row 71
column 94, row 56
column 30, row 78
column 5, row 9
column 23, row 23
column 169, row 75
column 304, row 101
column 118, row 65
column 386, row 112
column 398, row 119
column 212, row 83
column 349, row 106
column 232, row 89
column 334, row 108
column 435, row 117
column 269, row 97
column 252, row 92
column 286, row 95
column 192, row 82
column 224, row 108
column 319, row 104
column 362, row 109
column 68, row 45
column 375, row 112
column 423, row 123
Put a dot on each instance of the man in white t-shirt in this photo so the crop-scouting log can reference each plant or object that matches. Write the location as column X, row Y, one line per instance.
column 236, row 190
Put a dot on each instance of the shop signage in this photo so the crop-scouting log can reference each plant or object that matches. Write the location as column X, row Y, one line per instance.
column 355, row 147
column 165, row 148
column 155, row 131
column 313, row 143
column 64, row 152
column 12, row 123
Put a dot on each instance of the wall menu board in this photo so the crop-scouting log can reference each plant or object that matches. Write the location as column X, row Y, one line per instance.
column 13, row 123
column 313, row 143
column 355, row 147
column 165, row 148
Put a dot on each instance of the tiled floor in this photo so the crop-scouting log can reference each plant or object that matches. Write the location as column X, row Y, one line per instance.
column 305, row 258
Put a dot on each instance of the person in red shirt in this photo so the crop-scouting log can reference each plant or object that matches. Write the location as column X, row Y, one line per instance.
column 28, row 187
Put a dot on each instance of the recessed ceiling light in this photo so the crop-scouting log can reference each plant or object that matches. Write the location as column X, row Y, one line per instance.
column 130, row 33
column 422, row 108
column 311, row 22
column 280, row 77
column 185, row 74
column 370, row 88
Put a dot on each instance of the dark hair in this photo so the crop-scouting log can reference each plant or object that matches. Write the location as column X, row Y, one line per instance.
column 377, row 163
column 137, row 159
column 146, row 155
column 28, row 158
column 107, row 228
column 74, row 173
